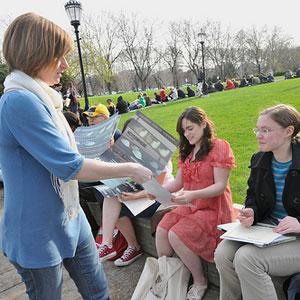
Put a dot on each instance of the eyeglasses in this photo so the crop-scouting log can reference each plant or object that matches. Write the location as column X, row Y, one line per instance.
column 263, row 131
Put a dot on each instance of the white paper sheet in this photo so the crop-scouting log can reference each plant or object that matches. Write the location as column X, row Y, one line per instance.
column 138, row 205
column 154, row 188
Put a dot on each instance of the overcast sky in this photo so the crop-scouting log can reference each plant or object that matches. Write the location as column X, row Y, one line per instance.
column 237, row 14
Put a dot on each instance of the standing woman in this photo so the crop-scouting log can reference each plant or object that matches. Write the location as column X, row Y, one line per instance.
column 205, row 200
column 43, row 226
column 272, row 197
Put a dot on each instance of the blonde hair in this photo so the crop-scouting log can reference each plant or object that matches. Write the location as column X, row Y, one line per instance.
column 32, row 42
column 285, row 115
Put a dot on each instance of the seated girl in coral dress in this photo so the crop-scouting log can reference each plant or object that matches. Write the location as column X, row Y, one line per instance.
column 191, row 229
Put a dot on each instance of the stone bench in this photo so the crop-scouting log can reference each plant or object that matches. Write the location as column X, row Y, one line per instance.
column 145, row 228
column 144, row 231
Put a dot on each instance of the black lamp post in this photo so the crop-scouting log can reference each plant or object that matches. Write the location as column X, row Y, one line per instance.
column 202, row 36
column 73, row 10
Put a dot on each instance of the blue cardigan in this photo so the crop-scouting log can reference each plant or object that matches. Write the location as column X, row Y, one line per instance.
column 35, row 233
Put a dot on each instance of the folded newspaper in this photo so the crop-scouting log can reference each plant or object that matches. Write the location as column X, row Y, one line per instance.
column 143, row 141
column 92, row 141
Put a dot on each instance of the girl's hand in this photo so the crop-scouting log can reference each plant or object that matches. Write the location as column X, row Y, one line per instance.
column 125, row 196
column 183, row 197
column 287, row 225
column 246, row 216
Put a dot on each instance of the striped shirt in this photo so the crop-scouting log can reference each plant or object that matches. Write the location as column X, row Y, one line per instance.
column 280, row 170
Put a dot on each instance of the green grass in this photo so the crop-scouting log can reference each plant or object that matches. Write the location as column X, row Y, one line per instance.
column 234, row 114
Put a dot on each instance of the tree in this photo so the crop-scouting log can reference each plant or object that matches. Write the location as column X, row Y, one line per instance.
column 173, row 52
column 277, row 47
column 220, row 51
column 256, row 42
column 242, row 53
column 192, row 48
column 102, row 45
column 139, row 47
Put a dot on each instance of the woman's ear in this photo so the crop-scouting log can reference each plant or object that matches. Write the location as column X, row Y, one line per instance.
column 290, row 130
column 204, row 124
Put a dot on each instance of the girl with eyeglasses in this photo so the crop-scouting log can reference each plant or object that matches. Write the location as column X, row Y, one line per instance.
column 273, row 197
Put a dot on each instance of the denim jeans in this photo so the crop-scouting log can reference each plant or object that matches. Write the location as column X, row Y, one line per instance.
column 84, row 268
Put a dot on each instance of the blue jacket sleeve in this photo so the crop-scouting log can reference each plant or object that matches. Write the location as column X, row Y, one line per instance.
column 30, row 122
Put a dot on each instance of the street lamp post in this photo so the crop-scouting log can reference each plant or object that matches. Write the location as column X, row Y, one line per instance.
column 73, row 10
column 202, row 36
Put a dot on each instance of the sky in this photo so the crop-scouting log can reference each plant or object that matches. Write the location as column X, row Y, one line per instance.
column 233, row 13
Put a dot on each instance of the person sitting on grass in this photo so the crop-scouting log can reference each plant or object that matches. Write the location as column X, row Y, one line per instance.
column 147, row 99
column 229, row 85
column 219, row 86
column 140, row 102
column 157, row 99
column 190, row 92
column 181, row 94
column 190, row 230
column 111, row 107
column 163, row 95
column 173, row 95
column 122, row 106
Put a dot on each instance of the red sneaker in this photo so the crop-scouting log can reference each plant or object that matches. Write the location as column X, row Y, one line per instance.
column 105, row 252
column 129, row 256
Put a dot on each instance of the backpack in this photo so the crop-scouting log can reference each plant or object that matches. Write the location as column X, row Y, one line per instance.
column 119, row 242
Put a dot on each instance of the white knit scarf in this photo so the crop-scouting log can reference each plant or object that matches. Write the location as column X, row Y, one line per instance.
column 67, row 191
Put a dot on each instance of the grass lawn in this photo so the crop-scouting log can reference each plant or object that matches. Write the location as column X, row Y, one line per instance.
column 234, row 114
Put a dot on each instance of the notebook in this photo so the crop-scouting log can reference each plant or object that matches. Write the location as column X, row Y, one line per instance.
column 261, row 235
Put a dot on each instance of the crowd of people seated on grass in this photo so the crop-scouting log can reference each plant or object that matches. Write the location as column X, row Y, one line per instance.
column 289, row 74
column 144, row 100
column 231, row 83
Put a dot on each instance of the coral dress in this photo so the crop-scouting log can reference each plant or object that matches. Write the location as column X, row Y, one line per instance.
column 196, row 226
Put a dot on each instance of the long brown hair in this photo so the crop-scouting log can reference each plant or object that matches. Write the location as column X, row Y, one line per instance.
column 195, row 115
